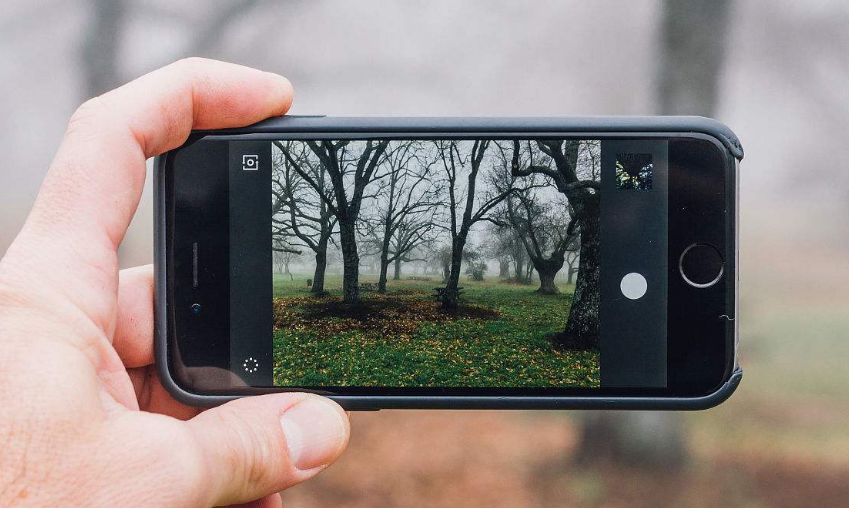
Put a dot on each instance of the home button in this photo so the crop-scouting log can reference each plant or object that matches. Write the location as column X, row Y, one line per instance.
column 701, row 265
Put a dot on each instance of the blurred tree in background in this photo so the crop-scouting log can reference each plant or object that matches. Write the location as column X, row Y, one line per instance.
column 107, row 24
column 692, row 54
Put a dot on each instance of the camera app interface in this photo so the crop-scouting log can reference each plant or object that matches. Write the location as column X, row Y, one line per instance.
column 450, row 264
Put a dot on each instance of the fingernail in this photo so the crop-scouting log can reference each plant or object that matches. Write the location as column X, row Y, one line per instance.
column 316, row 432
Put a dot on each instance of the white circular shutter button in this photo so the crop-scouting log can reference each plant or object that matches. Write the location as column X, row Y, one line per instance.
column 633, row 286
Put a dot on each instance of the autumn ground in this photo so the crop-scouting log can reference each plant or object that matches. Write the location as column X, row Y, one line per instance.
column 512, row 460
column 499, row 336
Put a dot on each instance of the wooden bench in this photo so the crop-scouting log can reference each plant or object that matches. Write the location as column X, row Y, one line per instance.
column 369, row 286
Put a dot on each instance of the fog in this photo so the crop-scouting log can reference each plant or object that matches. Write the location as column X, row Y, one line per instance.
column 784, row 90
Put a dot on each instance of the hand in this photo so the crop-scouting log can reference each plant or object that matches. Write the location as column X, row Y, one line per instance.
column 84, row 420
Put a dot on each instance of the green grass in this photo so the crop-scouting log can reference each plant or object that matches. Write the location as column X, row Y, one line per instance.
column 418, row 346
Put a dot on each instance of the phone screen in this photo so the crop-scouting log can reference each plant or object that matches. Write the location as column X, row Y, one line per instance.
column 469, row 266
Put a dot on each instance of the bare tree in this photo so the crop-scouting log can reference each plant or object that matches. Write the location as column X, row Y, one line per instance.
column 475, row 262
column 692, row 54
column 433, row 262
column 539, row 216
column 300, row 216
column 544, row 239
column 693, row 42
column 582, row 192
column 498, row 248
column 441, row 257
column 507, row 246
column 458, row 157
column 517, row 251
column 405, row 204
column 504, row 268
column 101, row 41
column 410, row 237
column 351, row 166
column 283, row 256
column 571, row 259
column 100, row 48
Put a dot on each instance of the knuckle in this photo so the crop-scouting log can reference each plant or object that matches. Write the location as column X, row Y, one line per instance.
column 88, row 114
column 91, row 119
column 191, row 61
column 191, row 66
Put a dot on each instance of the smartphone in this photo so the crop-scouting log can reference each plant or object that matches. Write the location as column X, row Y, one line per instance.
column 451, row 262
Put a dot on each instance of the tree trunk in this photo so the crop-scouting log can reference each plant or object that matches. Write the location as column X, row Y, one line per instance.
column 384, row 267
column 384, row 256
column 397, row 274
column 101, row 46
column 693, row 46
column 350, row 263
column 320, row 268
column 456, row 263
column 381, row 282
column 691, row 61
column 582, row 326
column 503, row 269
column 519, row 269
column 450, row 302
column 570, row 277
column 692, row 54
column 633, row 438
column 547, row 270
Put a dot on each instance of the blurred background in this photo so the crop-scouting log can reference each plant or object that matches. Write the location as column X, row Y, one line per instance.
column 777, row 73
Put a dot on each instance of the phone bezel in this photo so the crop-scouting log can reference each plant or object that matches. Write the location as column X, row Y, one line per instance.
column 364, row 128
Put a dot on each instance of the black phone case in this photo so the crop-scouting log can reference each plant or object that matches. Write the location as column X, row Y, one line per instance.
column 595, row 127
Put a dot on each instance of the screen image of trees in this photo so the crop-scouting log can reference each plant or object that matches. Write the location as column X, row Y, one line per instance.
column 447, row 263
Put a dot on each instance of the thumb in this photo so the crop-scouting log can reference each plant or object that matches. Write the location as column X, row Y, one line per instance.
column 256, row 446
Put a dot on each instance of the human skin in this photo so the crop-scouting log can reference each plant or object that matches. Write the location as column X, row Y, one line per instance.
column 84, row 420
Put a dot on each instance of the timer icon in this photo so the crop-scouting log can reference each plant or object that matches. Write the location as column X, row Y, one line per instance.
column 251, row 365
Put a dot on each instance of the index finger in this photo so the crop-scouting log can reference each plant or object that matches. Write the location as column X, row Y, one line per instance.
column 95, row 182
column 101, row 160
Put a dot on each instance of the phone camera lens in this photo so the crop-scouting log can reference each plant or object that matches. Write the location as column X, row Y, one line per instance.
column 195, row 309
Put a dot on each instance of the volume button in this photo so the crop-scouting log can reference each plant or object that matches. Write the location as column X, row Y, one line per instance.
column 195, row 265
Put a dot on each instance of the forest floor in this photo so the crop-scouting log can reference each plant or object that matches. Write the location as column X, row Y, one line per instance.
column 498, row 336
